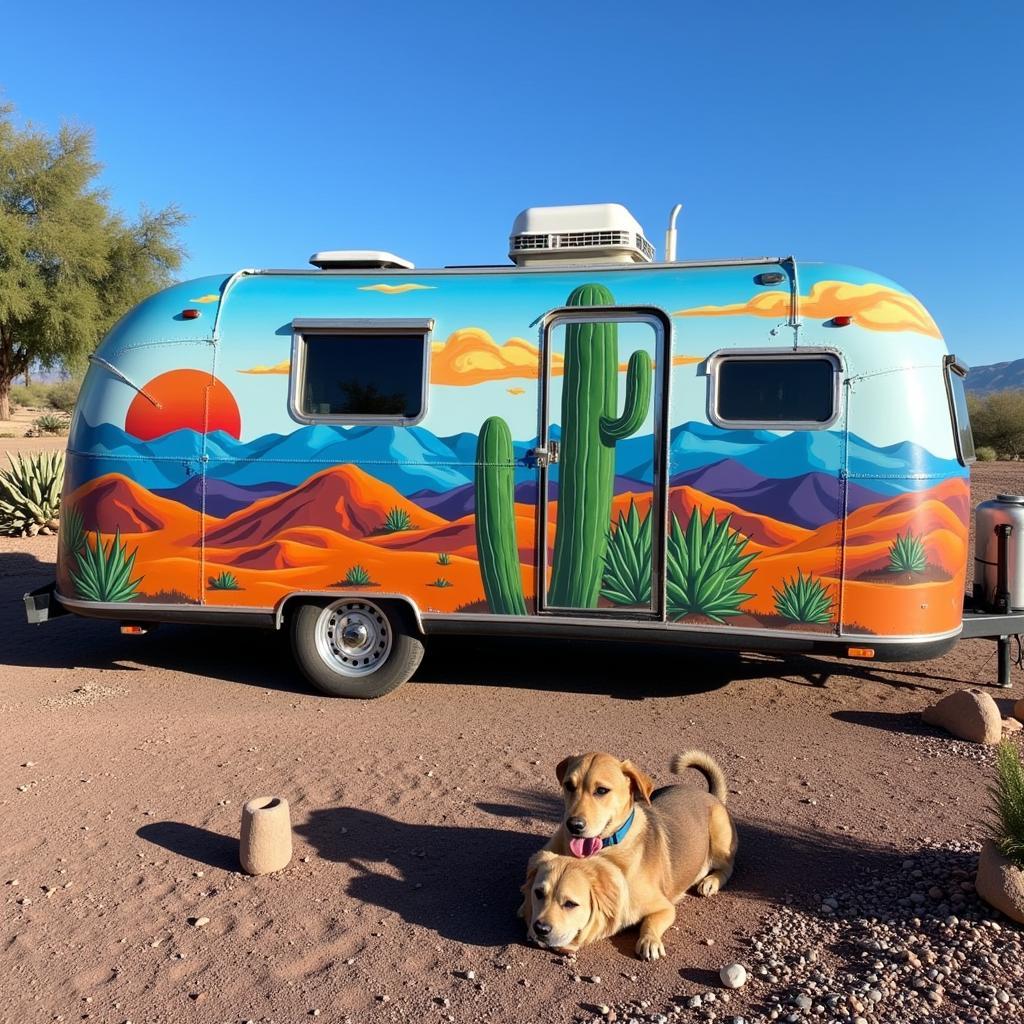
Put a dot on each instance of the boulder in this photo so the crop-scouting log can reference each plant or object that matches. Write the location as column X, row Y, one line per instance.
column 1018, row 710
column 999, row 883
column 1011, row 726
column 968, row 714
column 266, row 839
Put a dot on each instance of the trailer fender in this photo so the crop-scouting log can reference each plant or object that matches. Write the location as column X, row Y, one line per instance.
column 400, row 602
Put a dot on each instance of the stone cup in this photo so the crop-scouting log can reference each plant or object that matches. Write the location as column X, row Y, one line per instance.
column 266, row 838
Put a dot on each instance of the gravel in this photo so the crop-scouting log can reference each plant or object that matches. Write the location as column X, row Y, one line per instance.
column 900, row 944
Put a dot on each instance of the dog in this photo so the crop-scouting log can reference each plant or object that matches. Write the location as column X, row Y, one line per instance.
column 661, row 843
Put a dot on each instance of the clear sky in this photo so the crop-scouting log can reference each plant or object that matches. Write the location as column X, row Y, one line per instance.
column 884, row 134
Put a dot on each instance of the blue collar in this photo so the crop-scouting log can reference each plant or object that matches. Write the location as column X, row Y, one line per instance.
column 616, row 837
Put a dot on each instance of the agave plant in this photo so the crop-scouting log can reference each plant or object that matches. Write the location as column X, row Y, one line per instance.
column 51, row 423
column 907, row 554
column 804, row 599
column 441, row 583
column 444, row 558
column 30, row 493
column 627, row 560
column 705, row 568
column 225, row 581
column 72, row 530
column 1007, row 825
column 357, row 576
column 397, row 520
column 104, row 573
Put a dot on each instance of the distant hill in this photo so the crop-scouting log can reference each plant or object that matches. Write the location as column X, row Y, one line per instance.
column 996, row 377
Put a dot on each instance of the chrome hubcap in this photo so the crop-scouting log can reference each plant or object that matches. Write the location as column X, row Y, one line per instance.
column 353, row 637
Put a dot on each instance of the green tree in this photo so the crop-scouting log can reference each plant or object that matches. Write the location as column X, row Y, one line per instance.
column 69, row 264
column 997, row 421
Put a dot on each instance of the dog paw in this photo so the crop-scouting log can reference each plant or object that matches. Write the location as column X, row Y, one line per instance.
column 648, row 948
column 708, row 886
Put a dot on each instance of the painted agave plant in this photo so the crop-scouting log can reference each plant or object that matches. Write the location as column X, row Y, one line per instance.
column 907, row 554
column 804, row 599
column 627, row 560
column 105, row 572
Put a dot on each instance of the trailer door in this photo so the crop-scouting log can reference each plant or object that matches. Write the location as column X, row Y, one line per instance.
column 602, row 445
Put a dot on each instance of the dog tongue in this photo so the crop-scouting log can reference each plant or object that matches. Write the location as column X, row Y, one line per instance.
column 585, row 847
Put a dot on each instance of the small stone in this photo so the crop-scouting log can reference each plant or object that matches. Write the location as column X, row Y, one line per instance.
column 593, row 979
column 199, row 922
column 804, row 1001
column 733, row 975
column 694, row 1003
column 382, row 998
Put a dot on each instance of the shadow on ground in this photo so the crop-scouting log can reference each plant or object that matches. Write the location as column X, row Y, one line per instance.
column 200, row 844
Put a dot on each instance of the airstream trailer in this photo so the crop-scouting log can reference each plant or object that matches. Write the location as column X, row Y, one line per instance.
column 751, row 453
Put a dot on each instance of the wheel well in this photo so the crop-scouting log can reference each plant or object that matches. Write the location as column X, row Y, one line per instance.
column 396, row 604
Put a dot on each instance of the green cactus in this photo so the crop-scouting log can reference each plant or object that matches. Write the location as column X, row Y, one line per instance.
column 590, row 430
column 496, row 544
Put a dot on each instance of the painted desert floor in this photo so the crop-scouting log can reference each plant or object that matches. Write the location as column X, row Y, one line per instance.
column 125, row 763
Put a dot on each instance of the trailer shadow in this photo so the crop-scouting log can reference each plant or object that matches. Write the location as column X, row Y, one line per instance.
column 464, row 882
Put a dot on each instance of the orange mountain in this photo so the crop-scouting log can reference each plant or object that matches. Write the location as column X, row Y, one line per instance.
column 113, row 502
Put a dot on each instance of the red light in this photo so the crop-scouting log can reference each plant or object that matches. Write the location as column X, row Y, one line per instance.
column 194, row 314
column 842, row 321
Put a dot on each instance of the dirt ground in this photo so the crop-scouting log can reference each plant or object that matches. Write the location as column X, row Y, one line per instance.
column 124, row 763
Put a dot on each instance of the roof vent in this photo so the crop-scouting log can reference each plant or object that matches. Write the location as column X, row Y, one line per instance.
column 359, row 259
column 597, row 233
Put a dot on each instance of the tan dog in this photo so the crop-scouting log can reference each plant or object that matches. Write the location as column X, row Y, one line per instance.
column 661, row 843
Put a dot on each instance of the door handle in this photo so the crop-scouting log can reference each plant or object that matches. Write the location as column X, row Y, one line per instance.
column 545, row 455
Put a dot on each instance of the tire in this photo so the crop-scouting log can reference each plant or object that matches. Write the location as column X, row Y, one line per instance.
column 377, row 653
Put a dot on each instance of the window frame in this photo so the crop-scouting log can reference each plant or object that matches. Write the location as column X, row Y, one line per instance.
column 725, row 355
column 951, row 365
column 304, row 327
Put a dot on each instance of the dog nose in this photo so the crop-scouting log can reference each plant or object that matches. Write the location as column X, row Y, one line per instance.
column 576, row 826
column 542, row 928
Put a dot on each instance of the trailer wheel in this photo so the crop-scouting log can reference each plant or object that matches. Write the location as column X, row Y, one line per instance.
column 353, row 648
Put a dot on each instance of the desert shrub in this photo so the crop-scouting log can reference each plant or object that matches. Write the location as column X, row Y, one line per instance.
column 997, row 421
column 907, row 554
column 357, row 576
column 51, row 423
column 225, row 581
column 63, row 394
column 104, row 573
column 706, row 568
column 441, row 583
column 29, row 396
column 30, row 493
column 627, row 560
column 444, row 558
column 986, row 454
column 804, row 599
column 1007, row 825
column 397, row 520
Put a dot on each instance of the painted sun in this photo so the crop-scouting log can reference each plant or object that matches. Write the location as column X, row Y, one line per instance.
column 183, row 400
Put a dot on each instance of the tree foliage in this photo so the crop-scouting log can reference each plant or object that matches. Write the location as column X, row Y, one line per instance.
column 997, row 421
column 70, row 264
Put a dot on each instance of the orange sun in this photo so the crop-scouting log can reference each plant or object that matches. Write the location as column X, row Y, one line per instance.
column 187, row 399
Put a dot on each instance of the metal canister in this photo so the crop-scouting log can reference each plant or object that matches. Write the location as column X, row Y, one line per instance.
column 990, row 521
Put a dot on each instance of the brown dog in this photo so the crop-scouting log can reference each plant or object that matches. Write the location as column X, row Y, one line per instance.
column 661, row 843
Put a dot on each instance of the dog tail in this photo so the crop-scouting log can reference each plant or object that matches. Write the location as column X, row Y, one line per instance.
column 707, row 766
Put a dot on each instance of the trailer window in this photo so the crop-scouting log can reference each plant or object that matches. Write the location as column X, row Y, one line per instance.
column 359, row 371
column 956, row 373
column 774, row 390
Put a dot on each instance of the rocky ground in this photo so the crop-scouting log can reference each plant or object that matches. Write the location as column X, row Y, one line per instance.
column 126, row 762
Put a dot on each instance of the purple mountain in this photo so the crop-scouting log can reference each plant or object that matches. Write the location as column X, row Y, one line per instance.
column 222, row 498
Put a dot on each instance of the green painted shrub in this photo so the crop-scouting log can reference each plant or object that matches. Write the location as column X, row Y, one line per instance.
column 225, row 581
column 72, row 530
column 1007, row 825
column 907, row 554
column 705, row 568
column 627, row 560
column 441, row 583
column 104, row 573
column 397, row 520
column 357, row 576
column 444, row 558
column 804, row 599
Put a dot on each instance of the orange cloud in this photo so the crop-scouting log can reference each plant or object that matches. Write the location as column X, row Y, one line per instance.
column 516, row 391
column 213, row 297
column 472, row 356
column 396, row 289
column 283, row 367
column 873, row 306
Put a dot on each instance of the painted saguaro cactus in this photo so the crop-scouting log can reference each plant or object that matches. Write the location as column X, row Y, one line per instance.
column 496, row 545
column 590, row 430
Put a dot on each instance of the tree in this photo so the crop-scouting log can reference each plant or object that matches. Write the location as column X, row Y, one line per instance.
column 69, row 264
column 997, row 421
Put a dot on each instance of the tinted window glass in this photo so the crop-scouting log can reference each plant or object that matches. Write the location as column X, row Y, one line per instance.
column 961, row 417
column 376, row 376
column 776, row 390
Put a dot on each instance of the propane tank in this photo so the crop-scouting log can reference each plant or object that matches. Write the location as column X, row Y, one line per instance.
column 999, row 554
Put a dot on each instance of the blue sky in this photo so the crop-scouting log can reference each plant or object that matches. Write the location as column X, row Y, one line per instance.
column 879, row 134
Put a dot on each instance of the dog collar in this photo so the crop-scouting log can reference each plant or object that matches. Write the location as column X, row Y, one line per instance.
column 616, row 837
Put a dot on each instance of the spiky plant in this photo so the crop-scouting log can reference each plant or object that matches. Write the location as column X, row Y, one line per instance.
column 1007, row 826
column 51, row 423
column 441, row 583
column 104, row 573
column 225, row 581
column 397, row 520
column 30, row 493
column 444, row 558
column 72, row 530
column 627, row 560
column 706, row 568
column 804, row 599
column 907, row 554
column 357, row 576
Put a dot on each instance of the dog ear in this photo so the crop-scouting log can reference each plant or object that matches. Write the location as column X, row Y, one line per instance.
column 606, row 890
column 563, row 766
column 640, row 782
column 533, row 865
